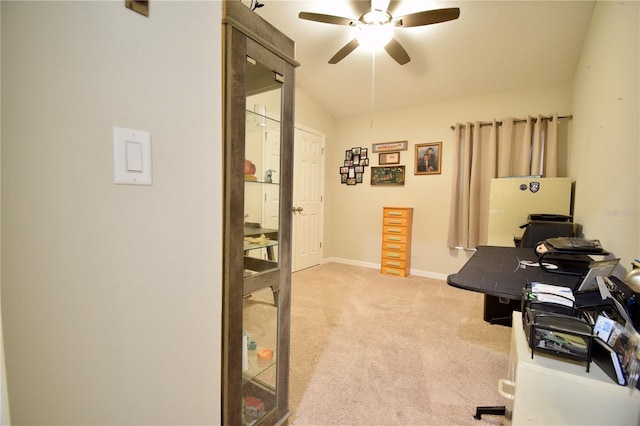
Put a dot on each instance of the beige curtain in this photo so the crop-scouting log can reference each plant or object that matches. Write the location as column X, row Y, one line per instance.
column 483, row 151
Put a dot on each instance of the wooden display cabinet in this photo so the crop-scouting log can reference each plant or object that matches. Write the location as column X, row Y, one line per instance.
column 258, row 95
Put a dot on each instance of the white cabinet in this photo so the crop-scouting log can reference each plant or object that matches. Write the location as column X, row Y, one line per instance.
column 549, row 390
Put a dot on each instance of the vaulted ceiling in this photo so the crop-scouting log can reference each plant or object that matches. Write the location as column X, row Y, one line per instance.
column 493, row 46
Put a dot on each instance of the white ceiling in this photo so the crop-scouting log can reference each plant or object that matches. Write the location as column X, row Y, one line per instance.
column 493, row 46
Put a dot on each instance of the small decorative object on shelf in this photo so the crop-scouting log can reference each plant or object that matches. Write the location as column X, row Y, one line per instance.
column 265, row 354
column 253, row 408
column 249, row 171
column 268, row 176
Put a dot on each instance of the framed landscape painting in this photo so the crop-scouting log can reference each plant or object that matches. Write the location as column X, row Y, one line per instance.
column 387, row 175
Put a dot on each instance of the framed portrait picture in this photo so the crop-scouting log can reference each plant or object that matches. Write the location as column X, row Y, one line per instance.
column 428, row 159
column 389, row 158
column 387, row 175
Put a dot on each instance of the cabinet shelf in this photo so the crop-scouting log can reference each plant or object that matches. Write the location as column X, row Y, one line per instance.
column 257, row 122
column 261, row 182
column 255, row 246
column 257, row 367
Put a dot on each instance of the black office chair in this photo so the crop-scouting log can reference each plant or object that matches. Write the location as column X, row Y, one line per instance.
column 542, row 226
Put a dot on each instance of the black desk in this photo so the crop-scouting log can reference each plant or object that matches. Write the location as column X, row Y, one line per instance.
column 497, row 272
column 256, row 231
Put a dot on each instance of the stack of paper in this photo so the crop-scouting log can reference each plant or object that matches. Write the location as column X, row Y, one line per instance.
column 553, row 294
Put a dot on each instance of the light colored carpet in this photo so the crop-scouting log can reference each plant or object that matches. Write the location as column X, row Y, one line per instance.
column 377, row 350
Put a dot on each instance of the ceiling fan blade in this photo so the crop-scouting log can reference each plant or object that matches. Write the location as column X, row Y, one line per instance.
column 348, row 48
column 327, row 19
column 429, row 17
column 397, row 52
column 382, row 5
column 393, row 4
column 360, row 6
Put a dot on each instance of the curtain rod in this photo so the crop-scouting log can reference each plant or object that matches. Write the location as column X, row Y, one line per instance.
column 522, row 120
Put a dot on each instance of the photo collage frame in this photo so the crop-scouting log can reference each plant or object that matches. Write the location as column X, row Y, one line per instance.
column 355, row 160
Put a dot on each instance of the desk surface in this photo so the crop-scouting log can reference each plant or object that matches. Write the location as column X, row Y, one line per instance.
column 496, row 271
column 252, row 231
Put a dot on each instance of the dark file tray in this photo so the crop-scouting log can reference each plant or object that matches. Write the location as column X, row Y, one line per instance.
column 557, row 334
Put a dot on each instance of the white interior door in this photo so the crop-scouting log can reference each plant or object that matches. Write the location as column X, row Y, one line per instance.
column 308, row 194
column 271, row 193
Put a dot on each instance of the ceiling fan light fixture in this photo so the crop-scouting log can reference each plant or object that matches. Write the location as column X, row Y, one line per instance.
column 376, row 17
column 374, row 36
column 374, row 28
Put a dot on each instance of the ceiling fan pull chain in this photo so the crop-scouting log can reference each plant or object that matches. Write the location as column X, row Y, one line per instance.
column 373, row 78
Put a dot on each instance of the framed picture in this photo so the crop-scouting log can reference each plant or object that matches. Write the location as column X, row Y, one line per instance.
column 348, row 155
column 387, row 175
column 428, row 159
column 140, row 6
column 389, row 158
column 352, row 170
column 389, row 146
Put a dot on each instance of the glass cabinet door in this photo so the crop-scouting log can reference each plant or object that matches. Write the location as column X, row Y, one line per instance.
column 262, row 167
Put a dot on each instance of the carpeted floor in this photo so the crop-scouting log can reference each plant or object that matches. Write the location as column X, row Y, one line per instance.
column 377, row 350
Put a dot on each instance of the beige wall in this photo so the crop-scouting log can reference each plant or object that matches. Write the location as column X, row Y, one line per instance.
column 111, row 294
column 311, row 114
column 603, row 136
column 605, row 151
column 354, row 213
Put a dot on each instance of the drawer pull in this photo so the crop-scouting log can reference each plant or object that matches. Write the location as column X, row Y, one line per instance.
column 394, row 238
column 396, row 230
column 393, row 272
column 394, row 255
column 395, row 222
column 393, row 246
column 391, row 263
column 394, row 213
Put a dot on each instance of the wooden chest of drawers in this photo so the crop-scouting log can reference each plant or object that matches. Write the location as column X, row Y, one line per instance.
column 396, row 241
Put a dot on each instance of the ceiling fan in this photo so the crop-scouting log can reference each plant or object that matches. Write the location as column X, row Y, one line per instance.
column 379, row 20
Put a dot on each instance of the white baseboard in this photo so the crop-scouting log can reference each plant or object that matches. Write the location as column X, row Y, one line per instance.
column 415, row 272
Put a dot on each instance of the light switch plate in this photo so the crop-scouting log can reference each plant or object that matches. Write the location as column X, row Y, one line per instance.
column 131, row 157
